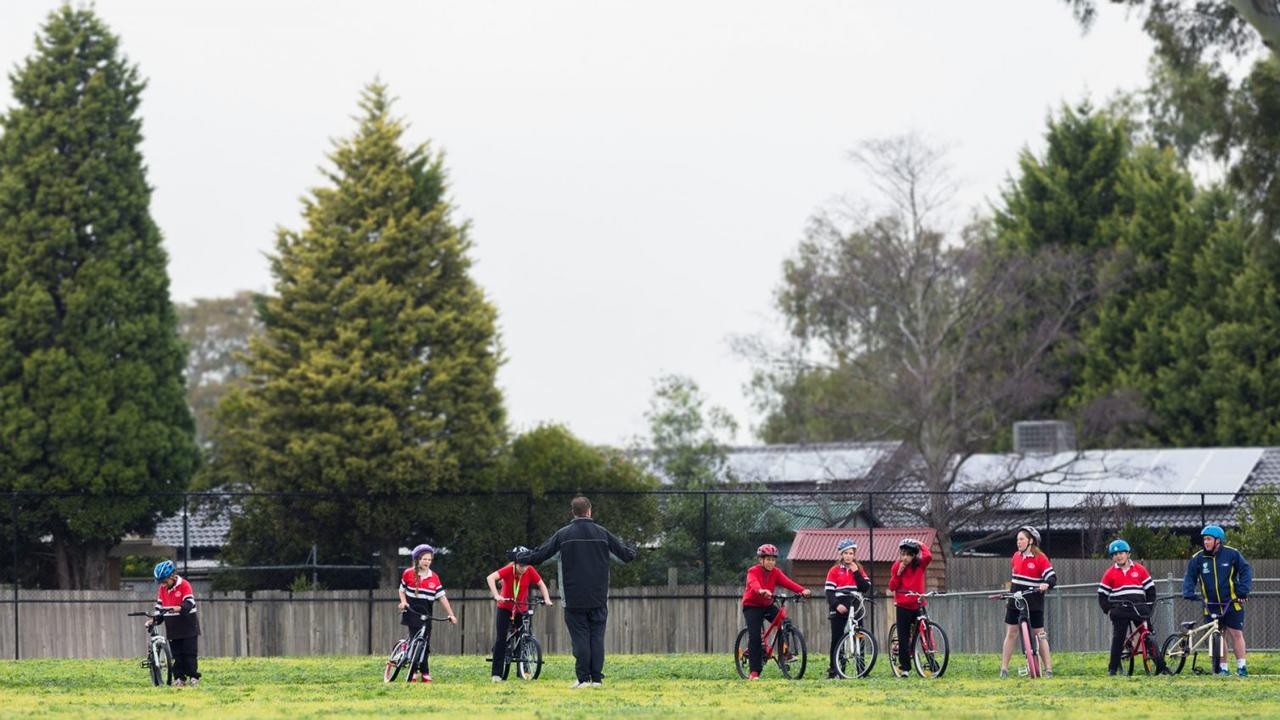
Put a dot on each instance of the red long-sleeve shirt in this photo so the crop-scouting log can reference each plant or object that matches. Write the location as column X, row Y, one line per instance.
column 760, row 579
column 911, row 580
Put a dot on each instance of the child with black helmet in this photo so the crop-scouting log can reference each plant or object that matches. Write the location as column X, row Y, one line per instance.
column 513, row 600
column 907, row 575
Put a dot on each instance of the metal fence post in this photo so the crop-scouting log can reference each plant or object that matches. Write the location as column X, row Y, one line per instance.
column 871, row 551
column 529, row 529
column 706, row 572
column 186, row 537
column 1046, row 522
column 13, row 502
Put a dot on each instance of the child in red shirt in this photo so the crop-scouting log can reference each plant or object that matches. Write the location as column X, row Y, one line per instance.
column 176, row 608
column 757, row 602
column 513, row 605
column 907, row 574
column 842, row 579
column 1128, row 595
column 419, row 589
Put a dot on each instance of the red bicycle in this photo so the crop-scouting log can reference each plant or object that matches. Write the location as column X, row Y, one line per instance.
column 1139, row 645
column 781, row 642
column 929, row 649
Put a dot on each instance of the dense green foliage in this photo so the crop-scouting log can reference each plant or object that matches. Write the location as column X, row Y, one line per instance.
column 374, row 375
column 91, row 386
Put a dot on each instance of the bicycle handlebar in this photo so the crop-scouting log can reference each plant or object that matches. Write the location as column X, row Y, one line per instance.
column 427, row 617
column 527, row 601
column 1014, row 594
column 931, row 593
column 143, row 614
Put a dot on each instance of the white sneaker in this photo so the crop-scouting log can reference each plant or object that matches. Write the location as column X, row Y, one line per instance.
column 597, row 684
column 578, row 684
column 178, row 683
column 496, row 678
column 193, row 682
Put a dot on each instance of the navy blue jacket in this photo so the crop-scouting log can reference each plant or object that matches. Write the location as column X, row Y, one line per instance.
column 1218, row 577
column 584, row 549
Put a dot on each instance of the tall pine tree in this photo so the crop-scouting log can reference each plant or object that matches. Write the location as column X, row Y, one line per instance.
column 91, row 389
column 375, row 373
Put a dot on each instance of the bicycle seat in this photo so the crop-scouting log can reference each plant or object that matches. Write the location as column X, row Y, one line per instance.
column 1188, row 624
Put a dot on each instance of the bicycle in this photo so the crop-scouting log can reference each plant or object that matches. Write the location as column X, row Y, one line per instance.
column 1030, row 643
column 522, row 649
column 782, row 642
column 1185, row 642
column 1139, row 643
column 930, row 651
column 857, row 646
column 159, row 657
column 412, row 652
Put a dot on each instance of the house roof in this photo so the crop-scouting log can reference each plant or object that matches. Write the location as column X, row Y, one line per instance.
column 820, row 543
column 207, row 528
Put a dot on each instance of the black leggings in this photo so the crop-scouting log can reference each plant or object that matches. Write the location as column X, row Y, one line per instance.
column 425, row 666
column 906, row 620
column 838, row 623
column 503, row 623
column 185, row 657
column 755, row 617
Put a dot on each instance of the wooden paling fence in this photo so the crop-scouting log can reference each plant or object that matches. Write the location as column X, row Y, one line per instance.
column 664, row 619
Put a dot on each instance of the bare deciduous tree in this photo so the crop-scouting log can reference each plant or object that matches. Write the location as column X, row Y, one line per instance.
column 945, row 338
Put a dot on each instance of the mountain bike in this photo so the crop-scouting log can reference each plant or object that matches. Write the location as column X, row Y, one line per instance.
column 1030, row 643
column 782, row 642
column 522, row 649
column 411, row 652
column 1195, row 639
column 856, row 652
column 158, row 658
column 930, row 651
column 1140, row 644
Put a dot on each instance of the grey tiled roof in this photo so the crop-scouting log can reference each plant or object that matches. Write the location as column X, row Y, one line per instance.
column 208, row 529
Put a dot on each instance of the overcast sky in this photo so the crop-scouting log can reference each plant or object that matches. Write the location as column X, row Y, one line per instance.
column 635, row 172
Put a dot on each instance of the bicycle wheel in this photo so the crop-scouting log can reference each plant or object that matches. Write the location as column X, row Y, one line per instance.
column 930, row 651
column 1144, row 654
column 792, row 657
column 161, row 664
column 1215, row 651
column 1033, row 657
column 529, row 659
column 1174, row 652
column 740, row 660
column 856, row 654
column 396, row 661
column 893, row 650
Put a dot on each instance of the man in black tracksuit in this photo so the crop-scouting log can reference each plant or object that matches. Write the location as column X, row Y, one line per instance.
column 584, row 549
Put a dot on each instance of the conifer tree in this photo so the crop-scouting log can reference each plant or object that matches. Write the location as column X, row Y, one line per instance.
column 375, row 372
column 91, row 388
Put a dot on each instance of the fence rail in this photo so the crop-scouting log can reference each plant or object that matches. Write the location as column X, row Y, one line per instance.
column 700, row 617
column 666, row 619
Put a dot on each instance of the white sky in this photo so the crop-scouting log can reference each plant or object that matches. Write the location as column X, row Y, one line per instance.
column 635, row 171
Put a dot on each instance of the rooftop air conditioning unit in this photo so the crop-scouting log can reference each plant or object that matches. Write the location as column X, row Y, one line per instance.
column 1043, row 437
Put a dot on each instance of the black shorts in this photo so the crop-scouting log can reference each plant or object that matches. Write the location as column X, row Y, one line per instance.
column 1232, row 618
column 1037, row 617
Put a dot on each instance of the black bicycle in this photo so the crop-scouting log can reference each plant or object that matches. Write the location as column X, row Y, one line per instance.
column 411, row 652
column 158, row 658
column 522, row 649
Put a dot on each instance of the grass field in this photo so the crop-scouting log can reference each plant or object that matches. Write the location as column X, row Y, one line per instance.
column 636, row 686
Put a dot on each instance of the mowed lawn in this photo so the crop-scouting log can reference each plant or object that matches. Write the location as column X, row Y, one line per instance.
column 636, row 686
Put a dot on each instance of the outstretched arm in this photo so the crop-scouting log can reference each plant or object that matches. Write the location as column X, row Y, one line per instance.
column 540, row 554
column 619, row 549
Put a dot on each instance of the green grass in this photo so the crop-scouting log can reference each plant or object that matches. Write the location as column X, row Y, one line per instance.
column 637, row 686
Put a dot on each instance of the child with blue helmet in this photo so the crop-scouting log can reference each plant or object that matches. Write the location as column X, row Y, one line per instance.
column 1219, row 576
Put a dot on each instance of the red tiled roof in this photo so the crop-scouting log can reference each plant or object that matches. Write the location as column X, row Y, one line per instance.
column 820, row 544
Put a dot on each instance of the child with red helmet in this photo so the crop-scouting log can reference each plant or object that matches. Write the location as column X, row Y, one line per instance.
column 757, row 601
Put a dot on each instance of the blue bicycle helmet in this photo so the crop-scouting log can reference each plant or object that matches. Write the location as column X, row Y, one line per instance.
column 163, row 570
column 1213, row 531
column 421, row 550
column 846, row 544
column 1118, row 546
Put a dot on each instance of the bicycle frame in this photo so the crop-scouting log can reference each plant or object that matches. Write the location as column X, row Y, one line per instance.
column 770, row 634
column 1030, row 642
